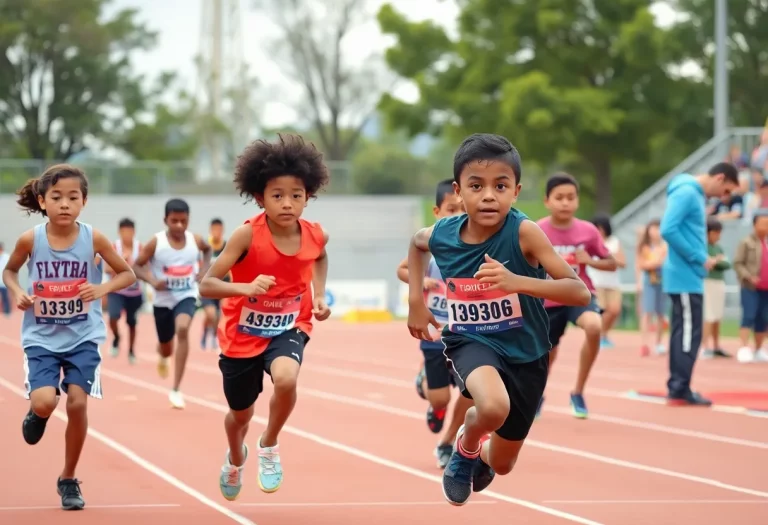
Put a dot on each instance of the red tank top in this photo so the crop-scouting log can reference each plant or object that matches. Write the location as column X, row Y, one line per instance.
column 249, row 323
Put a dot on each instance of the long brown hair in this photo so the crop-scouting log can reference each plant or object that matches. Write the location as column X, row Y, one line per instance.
column 28, row 194
column 646, row 238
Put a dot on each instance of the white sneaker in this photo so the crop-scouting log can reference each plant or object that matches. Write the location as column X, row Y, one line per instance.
column 745, row 355
column 761, row 355
column 231, row 478
column 176, row 399
column 661, row 349
column 707, row 354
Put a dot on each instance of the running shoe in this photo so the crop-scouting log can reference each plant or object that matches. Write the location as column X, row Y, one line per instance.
column 33, row 427
column 162, row 367
column 692, row 399
column 270, row 469
column 176, row 399
column 443, row 455
column 231, row 477
column 579, row 406
column 457, row 476
column 420, row 383
column 483, row 474
column 435, row 419
column 71, row 496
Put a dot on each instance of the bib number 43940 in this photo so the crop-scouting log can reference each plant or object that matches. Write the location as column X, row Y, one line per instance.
column 473, row 308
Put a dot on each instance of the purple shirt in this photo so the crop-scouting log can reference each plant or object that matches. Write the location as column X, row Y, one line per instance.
column 579, row 235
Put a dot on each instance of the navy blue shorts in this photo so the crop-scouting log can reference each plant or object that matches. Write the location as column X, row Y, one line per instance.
column 754, row 310
column 80, row 367
column 116, row 303
column 205, row 302
column 560, row 316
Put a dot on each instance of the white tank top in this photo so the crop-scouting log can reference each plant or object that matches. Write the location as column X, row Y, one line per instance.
column 177, row 268
column 603, row 279
column 133, row 290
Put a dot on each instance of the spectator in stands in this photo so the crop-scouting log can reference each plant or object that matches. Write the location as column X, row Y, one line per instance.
column 737, row 158
column 759, row 159
column 652, row 253
column 727, row 207
column 751, row 265
column 684, row 228
column 714, row 292
column 5, row 299
column 757, row 199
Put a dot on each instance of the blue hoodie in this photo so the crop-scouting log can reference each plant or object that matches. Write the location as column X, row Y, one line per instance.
column 684, row 228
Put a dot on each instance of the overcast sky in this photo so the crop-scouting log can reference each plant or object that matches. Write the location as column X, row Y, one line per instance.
column 179, row 41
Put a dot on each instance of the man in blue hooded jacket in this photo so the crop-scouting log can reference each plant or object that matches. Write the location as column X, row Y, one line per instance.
column 684, row 228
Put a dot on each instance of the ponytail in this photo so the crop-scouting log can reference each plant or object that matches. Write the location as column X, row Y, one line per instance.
column 28, row 197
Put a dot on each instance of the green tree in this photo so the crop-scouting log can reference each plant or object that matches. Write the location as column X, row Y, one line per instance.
column 338, row 98
column 65, row 74
column 386, row 169
column 747, row 52
column 574, row 83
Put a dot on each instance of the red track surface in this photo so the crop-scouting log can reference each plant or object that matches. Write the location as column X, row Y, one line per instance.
column 357, row 449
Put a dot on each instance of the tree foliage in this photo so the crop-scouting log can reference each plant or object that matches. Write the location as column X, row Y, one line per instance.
column 577, row 83
column 338, row 97
column 693, row 39
column 65, row 74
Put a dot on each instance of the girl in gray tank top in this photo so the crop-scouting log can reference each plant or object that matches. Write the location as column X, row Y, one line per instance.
column 63, row 325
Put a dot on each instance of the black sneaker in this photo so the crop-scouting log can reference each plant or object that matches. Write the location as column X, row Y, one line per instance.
column 443, row 455
column 71, row 497
column 691, row 399
column 33, row 427
column 420, row 383
column 435, row 419
column 482, row 475
column 719, row 352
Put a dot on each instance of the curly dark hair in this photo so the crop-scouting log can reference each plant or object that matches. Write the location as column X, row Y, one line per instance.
column 262, row 161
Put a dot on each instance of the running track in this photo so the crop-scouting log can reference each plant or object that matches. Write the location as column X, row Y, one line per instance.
column 357, row 449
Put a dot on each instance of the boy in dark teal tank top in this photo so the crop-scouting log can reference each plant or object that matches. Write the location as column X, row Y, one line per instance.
column 494, row 262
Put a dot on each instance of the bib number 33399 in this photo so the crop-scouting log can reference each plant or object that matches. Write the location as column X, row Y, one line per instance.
column 59, row 302
column 474, row 309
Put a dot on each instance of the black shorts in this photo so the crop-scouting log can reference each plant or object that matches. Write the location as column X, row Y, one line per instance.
column 244, row 376
column 205, row 302
column 560, row 316
column 437, row 369
column 116, row 303
column 525, row 382
column 165, row 318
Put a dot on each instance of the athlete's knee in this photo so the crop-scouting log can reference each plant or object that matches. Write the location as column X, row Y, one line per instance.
column 592, row 324
column 42, row 404
column 182, row 331
column 492, row 410
column 77, row 401
column 285, row 382
column 241, row 417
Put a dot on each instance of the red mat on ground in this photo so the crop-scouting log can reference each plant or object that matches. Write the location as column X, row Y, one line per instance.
column 754, row 400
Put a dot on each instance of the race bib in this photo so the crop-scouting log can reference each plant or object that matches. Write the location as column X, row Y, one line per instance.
column 58, row 302
column 473, row 309
column 179, row 278
column 437, row 302
column 268, row 317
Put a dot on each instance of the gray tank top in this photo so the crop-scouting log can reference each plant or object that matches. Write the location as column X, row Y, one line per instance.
column 60, row 321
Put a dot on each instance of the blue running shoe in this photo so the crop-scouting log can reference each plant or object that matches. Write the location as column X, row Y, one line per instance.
column 270, row 469
column 579, row 407
column 231, row 477
column 457, row 476
column 483, row 474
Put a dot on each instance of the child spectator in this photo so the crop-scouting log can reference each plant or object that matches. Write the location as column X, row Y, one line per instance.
column 751, row 265
column 714, row 292
column 652, row 251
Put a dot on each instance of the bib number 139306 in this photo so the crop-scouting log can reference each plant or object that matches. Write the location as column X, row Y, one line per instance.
column 472, row 308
